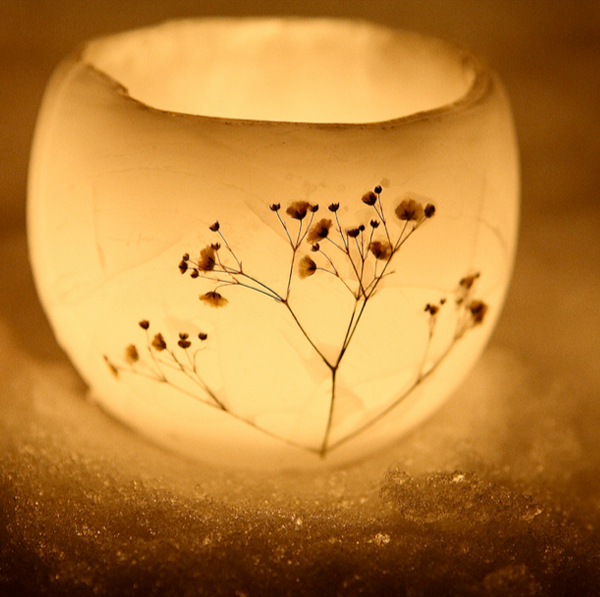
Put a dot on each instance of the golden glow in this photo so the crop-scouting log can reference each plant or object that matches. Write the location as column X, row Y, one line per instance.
column 290, row 70
column 273, row 294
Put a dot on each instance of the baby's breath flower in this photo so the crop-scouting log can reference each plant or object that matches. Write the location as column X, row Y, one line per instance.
column 275, row 206
column 408, row 210
column 111, row 367
column 369, row 198
column 432, row 309
column 214, row 299
column 183, row 341
column 144, row 324
column 333, row 207
column 478, row 310
column 215, row 227
column 381, row 250
column 315, row 248
column 319, row 231
column 378, row 189
column 307, row 267
column 313, row 208
column 207, row 260
column 468, row 281
column 429, row 210
column 158, row 342
column 195, row 273
column 353, row 232
column 186, row 257
column 374, row 224
column 203, row 336
column 183, row 266
column 298, row 210
column 131, row 354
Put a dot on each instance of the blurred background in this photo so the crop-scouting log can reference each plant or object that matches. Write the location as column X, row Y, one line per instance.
column 527, row 521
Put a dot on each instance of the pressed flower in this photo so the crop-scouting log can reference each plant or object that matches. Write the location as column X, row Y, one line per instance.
column 144, row 324
column 315, row 248
column 408, row 210
column 195, row 273
column 429, row 210
column 433, row 309
column 369, row 198
column 131, row 354
column 186, row 257
column 183, row 341
column 158, row 342
column 313, row 208
column 215, row 227
column 203, row 336
column 380, row 249
column 378, row 189
column 374, row 224
column 307, row 267
column 207, row 260
column 298, row 210
column 214, row 299
column 111, row 367
column 319, row 231
column 334, row 207
column 468, row 281
column 478, row 310
column 275, row 206
column 353, row 232
column 183, row 266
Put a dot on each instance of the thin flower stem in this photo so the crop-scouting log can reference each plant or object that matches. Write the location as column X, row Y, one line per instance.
column 285, row 228
column 324, row 448
column 392, row 405
column 229, row 249
column 356, row 273
column 325, row 360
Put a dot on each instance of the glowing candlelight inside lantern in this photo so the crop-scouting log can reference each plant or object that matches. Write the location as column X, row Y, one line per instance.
column 273, row 243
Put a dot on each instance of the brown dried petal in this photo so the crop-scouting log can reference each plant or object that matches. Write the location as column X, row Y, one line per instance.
column 319, row 231
column 369, row 198
column 381, row 250
column 409, row 210
column 478, row 310
column 207, row 260
column 131, row 354
column 214, row 299
column 307, row 267
column 298, row 210
column 158, row 342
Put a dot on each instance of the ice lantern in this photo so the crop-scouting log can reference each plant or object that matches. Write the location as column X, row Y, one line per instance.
column 272, row 243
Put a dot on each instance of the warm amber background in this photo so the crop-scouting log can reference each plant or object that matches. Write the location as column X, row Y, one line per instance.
column 85, row 508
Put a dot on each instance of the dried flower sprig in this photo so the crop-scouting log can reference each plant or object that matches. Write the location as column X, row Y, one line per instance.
column 367, row 250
